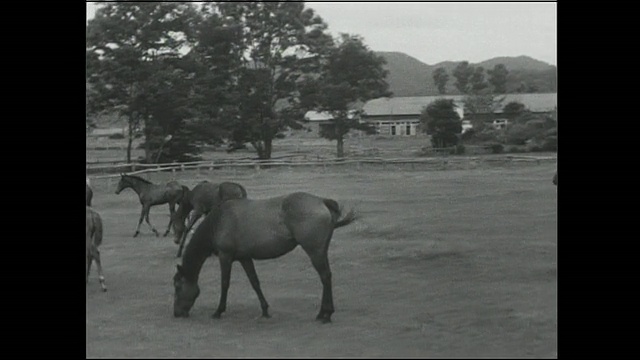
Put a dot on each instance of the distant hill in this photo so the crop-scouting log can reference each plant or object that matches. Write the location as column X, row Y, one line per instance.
column 411, row 77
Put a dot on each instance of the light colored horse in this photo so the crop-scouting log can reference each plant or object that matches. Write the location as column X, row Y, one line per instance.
column 93, row 241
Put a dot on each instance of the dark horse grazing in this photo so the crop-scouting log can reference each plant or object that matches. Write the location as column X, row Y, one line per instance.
column 94, row 239
column 89, row 194
column 555, row 178
column 245, row 229
column 151, row 195
column 204, row 197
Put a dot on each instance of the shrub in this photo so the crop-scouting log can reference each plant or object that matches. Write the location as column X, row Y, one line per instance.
column 550, row 144
column 496, row 148
column 515, row 149
column 116, row 136
column 518, row 134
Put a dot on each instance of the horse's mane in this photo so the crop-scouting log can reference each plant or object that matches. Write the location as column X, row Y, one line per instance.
column 139, row 178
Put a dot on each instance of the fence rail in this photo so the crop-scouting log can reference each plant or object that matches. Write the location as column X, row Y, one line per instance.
column 113, row 170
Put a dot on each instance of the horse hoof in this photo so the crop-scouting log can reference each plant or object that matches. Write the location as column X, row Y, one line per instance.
column 136, row 234
column 215, row 316
column 104, row 290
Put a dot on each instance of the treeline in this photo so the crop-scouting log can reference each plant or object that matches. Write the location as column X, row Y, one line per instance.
column 187, row 74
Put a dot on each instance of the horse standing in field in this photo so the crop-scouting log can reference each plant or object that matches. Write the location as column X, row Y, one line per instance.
column 89, row 193
column 199, row 201
column 245, row 229
column 150, row 195
column 93, row 241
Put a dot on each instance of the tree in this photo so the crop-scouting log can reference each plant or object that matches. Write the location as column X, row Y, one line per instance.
column 442, row 122
column 463, row 73
column 498, row 78
column 440, row 77
column 281, row 44
column 475, row 105
column 351, row 73
column 131, row 48
column 514, row 109
column 477, row 80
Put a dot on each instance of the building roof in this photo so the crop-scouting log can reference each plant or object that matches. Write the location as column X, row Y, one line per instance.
column 322, row 115
column 414, row 105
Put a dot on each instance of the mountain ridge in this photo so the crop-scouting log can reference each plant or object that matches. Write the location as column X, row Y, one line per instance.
column 409, row 76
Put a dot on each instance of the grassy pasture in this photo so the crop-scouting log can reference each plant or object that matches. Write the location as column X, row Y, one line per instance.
column 456, row 263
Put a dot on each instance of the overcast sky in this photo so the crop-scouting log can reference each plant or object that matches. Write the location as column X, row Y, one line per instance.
column 435, row 32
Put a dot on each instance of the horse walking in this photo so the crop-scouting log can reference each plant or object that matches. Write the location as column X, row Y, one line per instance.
column 199, row 201
column 245, row 229
column 93, row 241
column 150, row 195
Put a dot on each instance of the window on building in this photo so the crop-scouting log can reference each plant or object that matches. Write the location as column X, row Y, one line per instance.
column 408, row 130
column 393, row 129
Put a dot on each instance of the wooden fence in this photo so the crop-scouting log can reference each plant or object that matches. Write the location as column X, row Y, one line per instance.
column 104, row 171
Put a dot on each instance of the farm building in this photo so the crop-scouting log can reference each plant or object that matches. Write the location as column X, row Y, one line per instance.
column 315, row 120
column 401, row 115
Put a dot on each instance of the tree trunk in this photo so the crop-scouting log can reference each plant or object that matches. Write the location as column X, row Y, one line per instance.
column 340, row 147
column 263, row 147
column 267, row 148
column 130, row 142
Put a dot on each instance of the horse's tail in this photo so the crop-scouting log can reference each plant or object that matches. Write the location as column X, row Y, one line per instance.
column 335, row 210
column 97, row 229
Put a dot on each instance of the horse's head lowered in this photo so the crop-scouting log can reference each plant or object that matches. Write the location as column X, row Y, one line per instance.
column 186, row 294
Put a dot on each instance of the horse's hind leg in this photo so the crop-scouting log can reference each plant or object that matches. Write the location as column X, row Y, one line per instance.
column 139, row 222
column 89, row 260
column 321, row 263
column 172, row 209
column 146, row 217
column 95, row 253
column 248, row 267
column 225, row 279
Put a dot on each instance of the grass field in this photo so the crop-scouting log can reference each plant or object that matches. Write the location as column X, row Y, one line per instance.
column 456, row 263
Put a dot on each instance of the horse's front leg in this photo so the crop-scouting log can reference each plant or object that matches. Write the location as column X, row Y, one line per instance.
column 192, row 220
column 172, row 210
column 250, row 269
column 225, row 270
